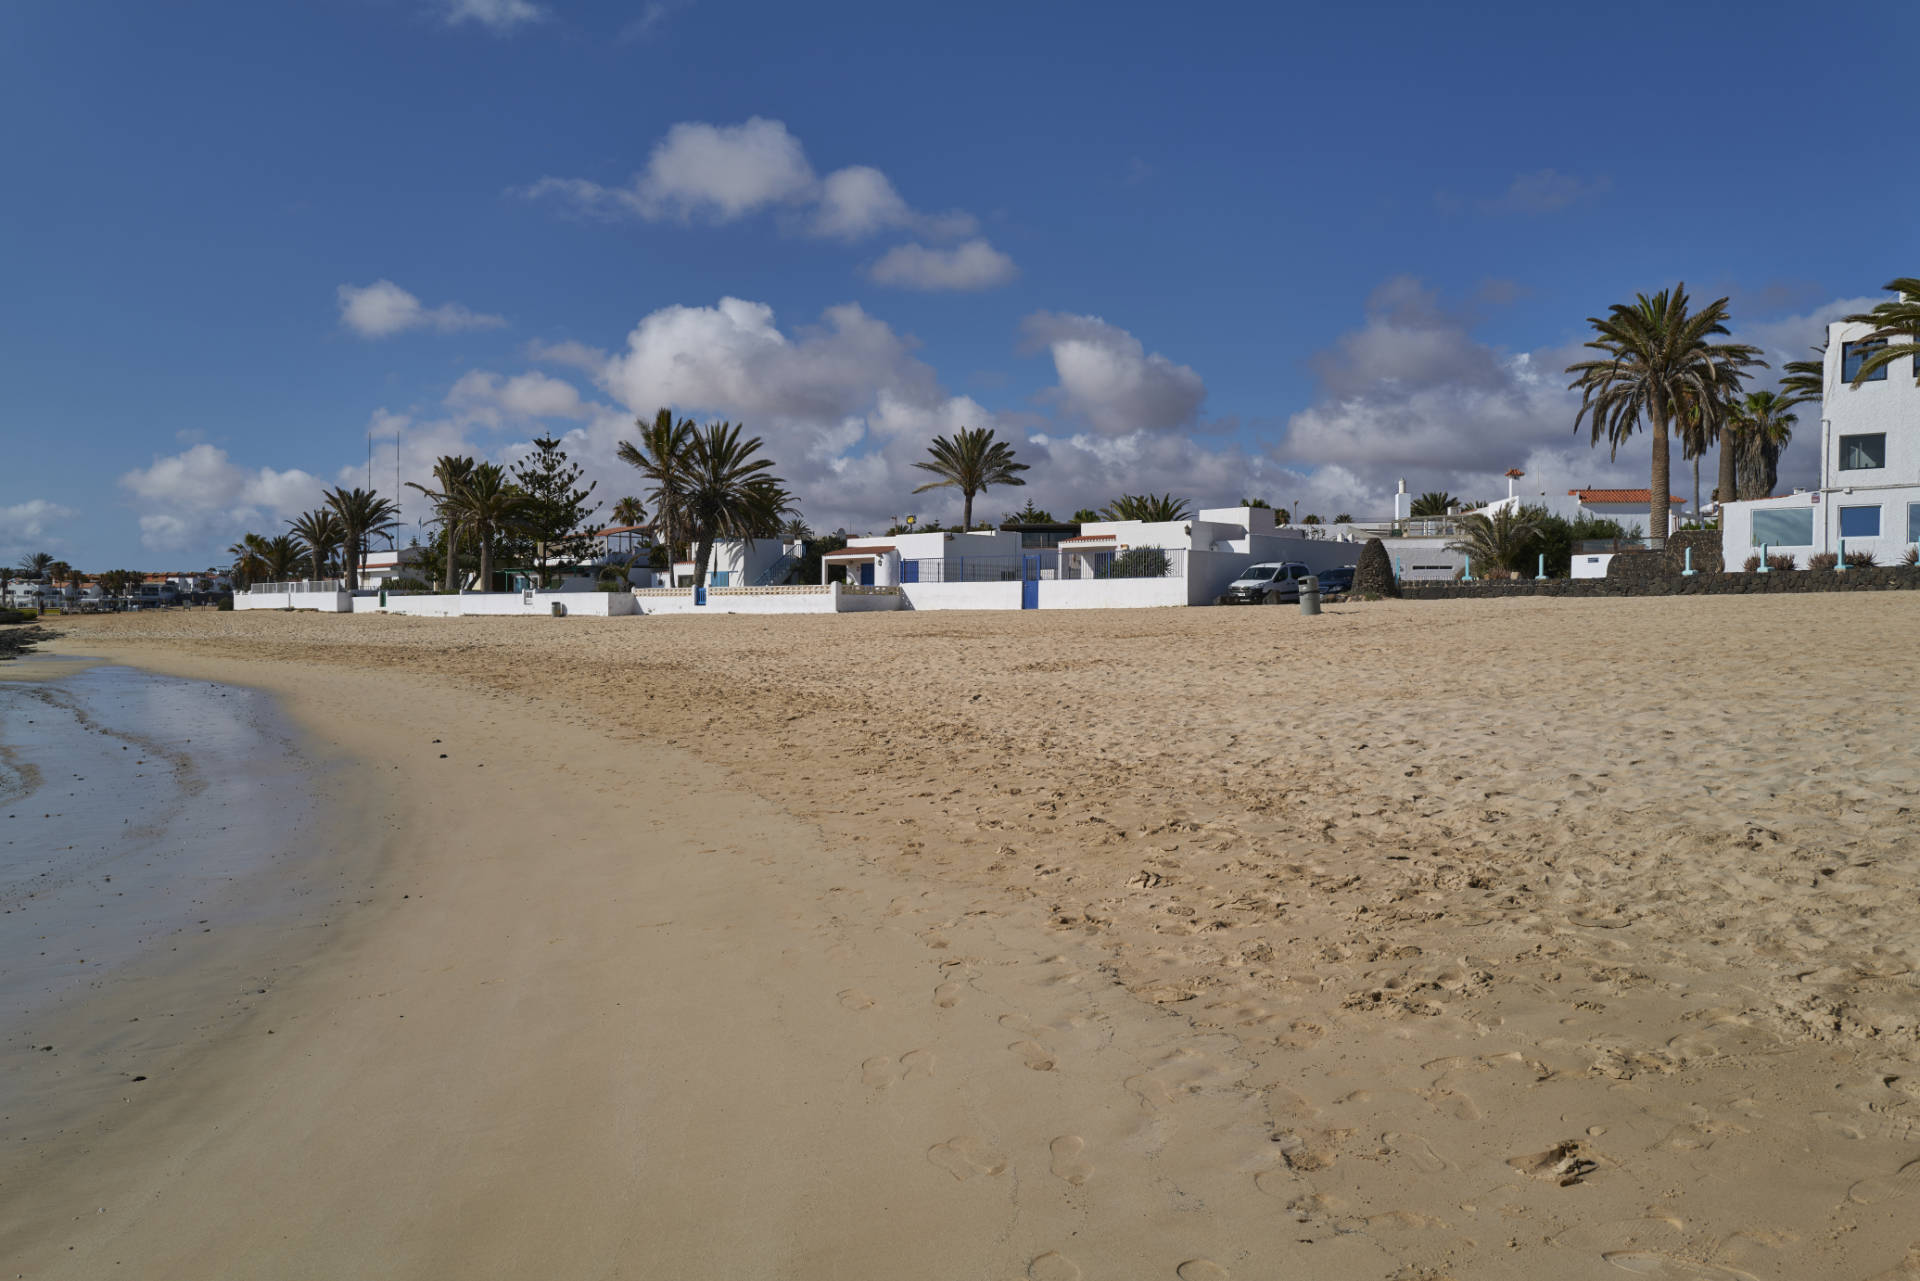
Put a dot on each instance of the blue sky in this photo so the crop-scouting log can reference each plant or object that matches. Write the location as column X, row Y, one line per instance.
column 1288, row 251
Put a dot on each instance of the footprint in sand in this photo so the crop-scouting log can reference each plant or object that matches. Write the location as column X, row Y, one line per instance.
column 854, row 999
column 965, row 1156
column 916, row 1065
column 1053, row 1266
column 877, row 1073
column 1671, row 1267
column 1200, row 1270
column 1417, row 1150
column 880, row 1072
column 1034, row 1055
column 947, row 995
column 1902, row 1182
column 1069, row 1162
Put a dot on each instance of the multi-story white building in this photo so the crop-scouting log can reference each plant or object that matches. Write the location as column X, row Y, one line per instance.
column 1869, row 494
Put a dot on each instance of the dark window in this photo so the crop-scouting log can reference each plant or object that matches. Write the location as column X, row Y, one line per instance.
column 1863, row 453
column 1854, row 354
column 1859, row 522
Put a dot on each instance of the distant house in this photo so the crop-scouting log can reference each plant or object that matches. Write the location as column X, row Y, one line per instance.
column 1868, row 499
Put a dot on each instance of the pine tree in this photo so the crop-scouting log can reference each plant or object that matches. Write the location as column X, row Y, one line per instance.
column 555, row 529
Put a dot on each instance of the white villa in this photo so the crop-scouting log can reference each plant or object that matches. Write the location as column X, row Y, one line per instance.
column 1869, row 494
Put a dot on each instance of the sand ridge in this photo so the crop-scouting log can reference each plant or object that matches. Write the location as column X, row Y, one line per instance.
column 1504, row 936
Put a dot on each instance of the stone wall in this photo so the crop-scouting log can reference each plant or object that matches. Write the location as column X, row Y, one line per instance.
column 1636, row 583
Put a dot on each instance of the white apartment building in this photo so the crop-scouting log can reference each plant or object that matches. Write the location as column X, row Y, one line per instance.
column 1868, row 499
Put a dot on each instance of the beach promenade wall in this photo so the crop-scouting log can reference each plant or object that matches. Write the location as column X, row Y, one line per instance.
column 834, row 598
column 323, row 602
column 495, row 604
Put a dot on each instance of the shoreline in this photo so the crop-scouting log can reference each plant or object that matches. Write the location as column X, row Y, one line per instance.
column 1576, row 1034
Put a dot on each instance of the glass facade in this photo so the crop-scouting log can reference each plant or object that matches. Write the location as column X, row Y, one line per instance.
column 1783, row 526
column 1863, row 453
column 1854, row 354
column 1859, row 522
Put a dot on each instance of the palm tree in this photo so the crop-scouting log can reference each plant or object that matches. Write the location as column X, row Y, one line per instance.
column 249, row 560
column 363, row 513
column 796, row 530
column 629, row 512
column 1146, row 507
column 1760, row 427
column 35, row 566
column 1806, row 378
column 1433, row 503
column 1657, row 360
column 487, row 505
column 727, row 492
column 661, row 456
column 1897, row 318
column 321, row 532
column 972, row 461
column 1498, row 541
column 280, row 557
column 449, row 470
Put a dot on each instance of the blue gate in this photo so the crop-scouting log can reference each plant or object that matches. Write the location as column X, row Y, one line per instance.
column 1029, row 582
column 909, row 571
column 866, row 574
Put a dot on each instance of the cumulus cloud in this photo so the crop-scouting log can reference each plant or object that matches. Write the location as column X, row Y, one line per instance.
column 499, row 16
column 974, row 264
column 1109, row 380
column 382, row 309
column 490, row 398
column 201, row 495
column 1412, row 394
column 724, row 173
column 570, row 352
column 24, row 524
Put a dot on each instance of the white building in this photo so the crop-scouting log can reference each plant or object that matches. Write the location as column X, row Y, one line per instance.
column 1868, row 499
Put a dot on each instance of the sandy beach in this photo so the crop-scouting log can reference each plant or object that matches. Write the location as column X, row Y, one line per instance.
column 1455, row 940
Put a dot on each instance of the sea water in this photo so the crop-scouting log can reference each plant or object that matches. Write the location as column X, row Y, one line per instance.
column 134, row 809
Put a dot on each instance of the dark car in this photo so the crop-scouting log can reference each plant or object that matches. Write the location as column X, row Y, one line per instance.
column 1336, row 582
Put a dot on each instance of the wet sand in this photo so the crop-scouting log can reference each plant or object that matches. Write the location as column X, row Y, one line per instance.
column 1469, row 939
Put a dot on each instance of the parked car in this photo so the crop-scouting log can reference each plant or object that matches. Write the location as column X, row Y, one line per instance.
column 1273, row 583
column 1336, row 582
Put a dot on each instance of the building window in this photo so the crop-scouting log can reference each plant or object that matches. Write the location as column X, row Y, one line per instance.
column 722, row 577
column 1854, row 354
column 1913, row 522
column 1859, row 522
column 1783, row 526
column 1863, row 453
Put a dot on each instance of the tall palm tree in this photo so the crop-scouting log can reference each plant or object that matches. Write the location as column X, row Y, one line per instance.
column 1657, row 360
column 35, row 566
column 1147, row 507
column 1499, row 541
column 449, row 471
column 281, row 556
column 1897, row 318
column 972, row 461
column 1806, row 378
column 487, row 505
column 661, row 457
column 728, row 491
column 1760, row 427
column 1433, row 503
column 363, row 513
column 320, row 530
column 249, row 560
column 629, row 512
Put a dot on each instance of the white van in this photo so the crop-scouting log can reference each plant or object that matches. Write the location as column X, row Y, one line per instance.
column 1273, row 583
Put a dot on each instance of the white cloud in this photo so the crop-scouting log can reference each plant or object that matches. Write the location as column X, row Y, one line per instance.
column 1546, row 191
column 652, row 18
column 382, row 309
column 499, row 16
column 490, row 398
column 724, row 173
column 1108, row 379
column 200, row 494
column 24, row 524
column 570, row 352
column 974, row 264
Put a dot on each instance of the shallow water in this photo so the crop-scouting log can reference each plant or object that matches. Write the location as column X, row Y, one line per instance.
column 134, row 808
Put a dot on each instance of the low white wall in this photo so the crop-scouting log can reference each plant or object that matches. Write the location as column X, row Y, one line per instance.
column 324, row 602
column 473, row 604
column 1585, row 566
column 1112, row 593
column 997, row 595
column 767, row 600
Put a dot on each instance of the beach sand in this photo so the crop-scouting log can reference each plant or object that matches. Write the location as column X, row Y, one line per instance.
column 1465, row 939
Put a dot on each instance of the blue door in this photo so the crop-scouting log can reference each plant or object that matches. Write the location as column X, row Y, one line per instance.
column 1029, row 582
column 866, row 574
column 909, row 571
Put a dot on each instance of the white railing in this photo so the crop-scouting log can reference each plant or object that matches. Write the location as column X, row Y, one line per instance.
column 305, row 585
column 812, row 590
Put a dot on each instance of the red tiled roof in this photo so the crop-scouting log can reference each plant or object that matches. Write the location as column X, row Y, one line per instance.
column 852, row 553
column 1618, row 495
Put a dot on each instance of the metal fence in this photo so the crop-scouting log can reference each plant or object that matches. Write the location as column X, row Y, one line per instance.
column 1138, row 562
column 305, row 585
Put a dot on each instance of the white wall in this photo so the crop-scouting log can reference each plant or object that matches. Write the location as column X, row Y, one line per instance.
column 961, row 595
column 474, row 604
column 323, row 602
column 1585, row 566
column 768, row 600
